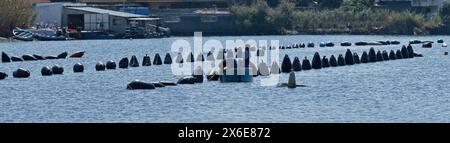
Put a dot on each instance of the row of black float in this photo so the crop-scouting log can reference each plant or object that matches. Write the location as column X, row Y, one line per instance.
column 34, row 57
column 331, row 44
column 286, row 67
column 23, row 73
column 349, row 59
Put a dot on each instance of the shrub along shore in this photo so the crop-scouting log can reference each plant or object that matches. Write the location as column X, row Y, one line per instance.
column 15, row 13
column 351, row 17
column 282, row 17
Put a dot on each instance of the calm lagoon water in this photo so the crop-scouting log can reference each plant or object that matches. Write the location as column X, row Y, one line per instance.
column 409, row 90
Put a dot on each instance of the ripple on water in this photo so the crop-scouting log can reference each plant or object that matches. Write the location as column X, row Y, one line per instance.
column 409, row 90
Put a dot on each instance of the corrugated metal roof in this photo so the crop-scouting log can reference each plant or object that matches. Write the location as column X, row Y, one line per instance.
column 110, row 12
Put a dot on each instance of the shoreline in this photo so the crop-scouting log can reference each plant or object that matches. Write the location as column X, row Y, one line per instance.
column 10, row 40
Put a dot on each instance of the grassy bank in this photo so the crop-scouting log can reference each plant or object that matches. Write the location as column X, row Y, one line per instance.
column 353, row 17
column 15, row 13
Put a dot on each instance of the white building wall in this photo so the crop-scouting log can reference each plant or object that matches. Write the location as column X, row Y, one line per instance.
column 51, row 13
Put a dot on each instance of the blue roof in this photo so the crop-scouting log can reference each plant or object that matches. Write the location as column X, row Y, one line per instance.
column 109, row 12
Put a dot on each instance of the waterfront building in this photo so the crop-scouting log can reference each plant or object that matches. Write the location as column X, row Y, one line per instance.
column 212, row 17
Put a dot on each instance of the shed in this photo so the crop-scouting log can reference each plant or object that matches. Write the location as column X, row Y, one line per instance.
column 97, row 19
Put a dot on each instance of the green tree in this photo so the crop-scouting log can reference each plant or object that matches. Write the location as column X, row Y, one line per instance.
column 285, row 16
column 357, row 5
column 330, row 4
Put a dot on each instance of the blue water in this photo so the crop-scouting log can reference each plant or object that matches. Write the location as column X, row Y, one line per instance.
column 408, row 90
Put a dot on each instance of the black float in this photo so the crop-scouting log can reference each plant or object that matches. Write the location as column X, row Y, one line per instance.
column 123, row 63
column 286, row 65
column 146, row 61
column 392, row 55
column 404, row 51
column 398, row 54
column 333, row 61
column 349, row 59
column 179, row 58
column 385, row 55
column 29, row 57
column 186, row 80
column 364, row 57
column 341, row 60
column 296, row 65
column 306, row 65
column 157, row 60
column 100, row 66
column 46, row 71
column 57, row 69
column 140, row 85
column 111, row 65
column 134, row 62
column 21, row 73
column 16, row 59
column 198, row 75
column 190, row 58
column 372, row 55
column 325, row 62
column 316, row 61
column 168, row 59
column 410, row 51
column 78, row 67
column 379, row 56
column 62, row 55
column 38, row 57
column 356, row 58
column 5, row 58
column 3, row 75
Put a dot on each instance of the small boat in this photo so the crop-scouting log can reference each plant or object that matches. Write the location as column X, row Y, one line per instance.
column 444, row 44
column 440, row 41
column 44, row 37
column 77, row 54
column 48, row 34
column 22, row 34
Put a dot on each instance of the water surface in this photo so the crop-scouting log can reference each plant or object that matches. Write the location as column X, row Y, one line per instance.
column 409, row 90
